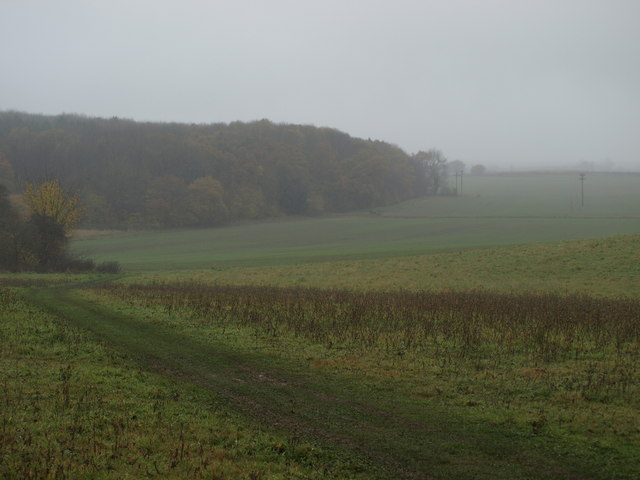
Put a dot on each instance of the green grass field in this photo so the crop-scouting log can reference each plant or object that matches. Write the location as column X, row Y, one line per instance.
column 538, row 194
column 607, row 267
column 493, row 335
column 494, row 211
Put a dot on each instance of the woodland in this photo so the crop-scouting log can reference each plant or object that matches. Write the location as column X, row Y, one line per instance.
column 167, row 175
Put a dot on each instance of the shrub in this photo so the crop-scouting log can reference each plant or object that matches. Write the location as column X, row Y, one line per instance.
column 108, row 267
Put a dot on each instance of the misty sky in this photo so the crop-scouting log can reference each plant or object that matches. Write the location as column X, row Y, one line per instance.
column 510, row 83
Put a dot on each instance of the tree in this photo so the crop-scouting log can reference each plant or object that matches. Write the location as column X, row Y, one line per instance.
column 206, row 202
column 43, row 243
column 478, row 170
column 455, row 166
column 49, row 200
column 9, row 226
column 293, row 187
column 6, row 172
column 53, row 213
column 433, row 165
column 166, row 201
column 138, row 174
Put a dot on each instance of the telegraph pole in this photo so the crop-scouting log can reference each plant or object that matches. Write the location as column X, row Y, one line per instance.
column 582, row 175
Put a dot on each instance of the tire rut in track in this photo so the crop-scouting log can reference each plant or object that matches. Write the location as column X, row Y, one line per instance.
column 271, row 396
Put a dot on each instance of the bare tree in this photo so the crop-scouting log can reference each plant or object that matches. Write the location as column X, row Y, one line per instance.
column 455, row 166
column 434, row 168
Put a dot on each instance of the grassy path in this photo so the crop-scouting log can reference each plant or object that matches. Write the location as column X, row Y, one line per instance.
column 395, row 437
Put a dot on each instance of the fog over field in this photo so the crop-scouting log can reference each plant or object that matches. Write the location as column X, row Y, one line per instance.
column 320, row 239
column 505, row 83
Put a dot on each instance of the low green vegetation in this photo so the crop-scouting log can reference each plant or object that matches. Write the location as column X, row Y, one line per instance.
column 491, row 385
column 425, row 340
column 496, row 211
column 75, row 407
column 336, row 238
column 605, row 267
column 402, row 385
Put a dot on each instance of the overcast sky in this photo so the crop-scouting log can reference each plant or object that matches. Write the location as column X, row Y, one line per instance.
column 510, row 83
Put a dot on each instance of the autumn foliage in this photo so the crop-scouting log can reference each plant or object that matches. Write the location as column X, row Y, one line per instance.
column 49, row 200
column 135, row 174
column 39, row 240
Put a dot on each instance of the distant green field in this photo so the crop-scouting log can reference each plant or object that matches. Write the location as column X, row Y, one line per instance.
column 607, row 267
column 493, row 211
column 537, row 194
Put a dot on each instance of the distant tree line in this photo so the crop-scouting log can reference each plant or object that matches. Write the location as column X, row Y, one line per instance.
column 141, row 174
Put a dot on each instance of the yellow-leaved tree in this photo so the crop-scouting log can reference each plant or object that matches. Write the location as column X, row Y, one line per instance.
column 49, row 199
column 53, row 213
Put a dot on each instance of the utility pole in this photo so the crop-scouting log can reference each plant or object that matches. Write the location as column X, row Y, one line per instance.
column 461, row 172
column 582, row 175
column 457, row 182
